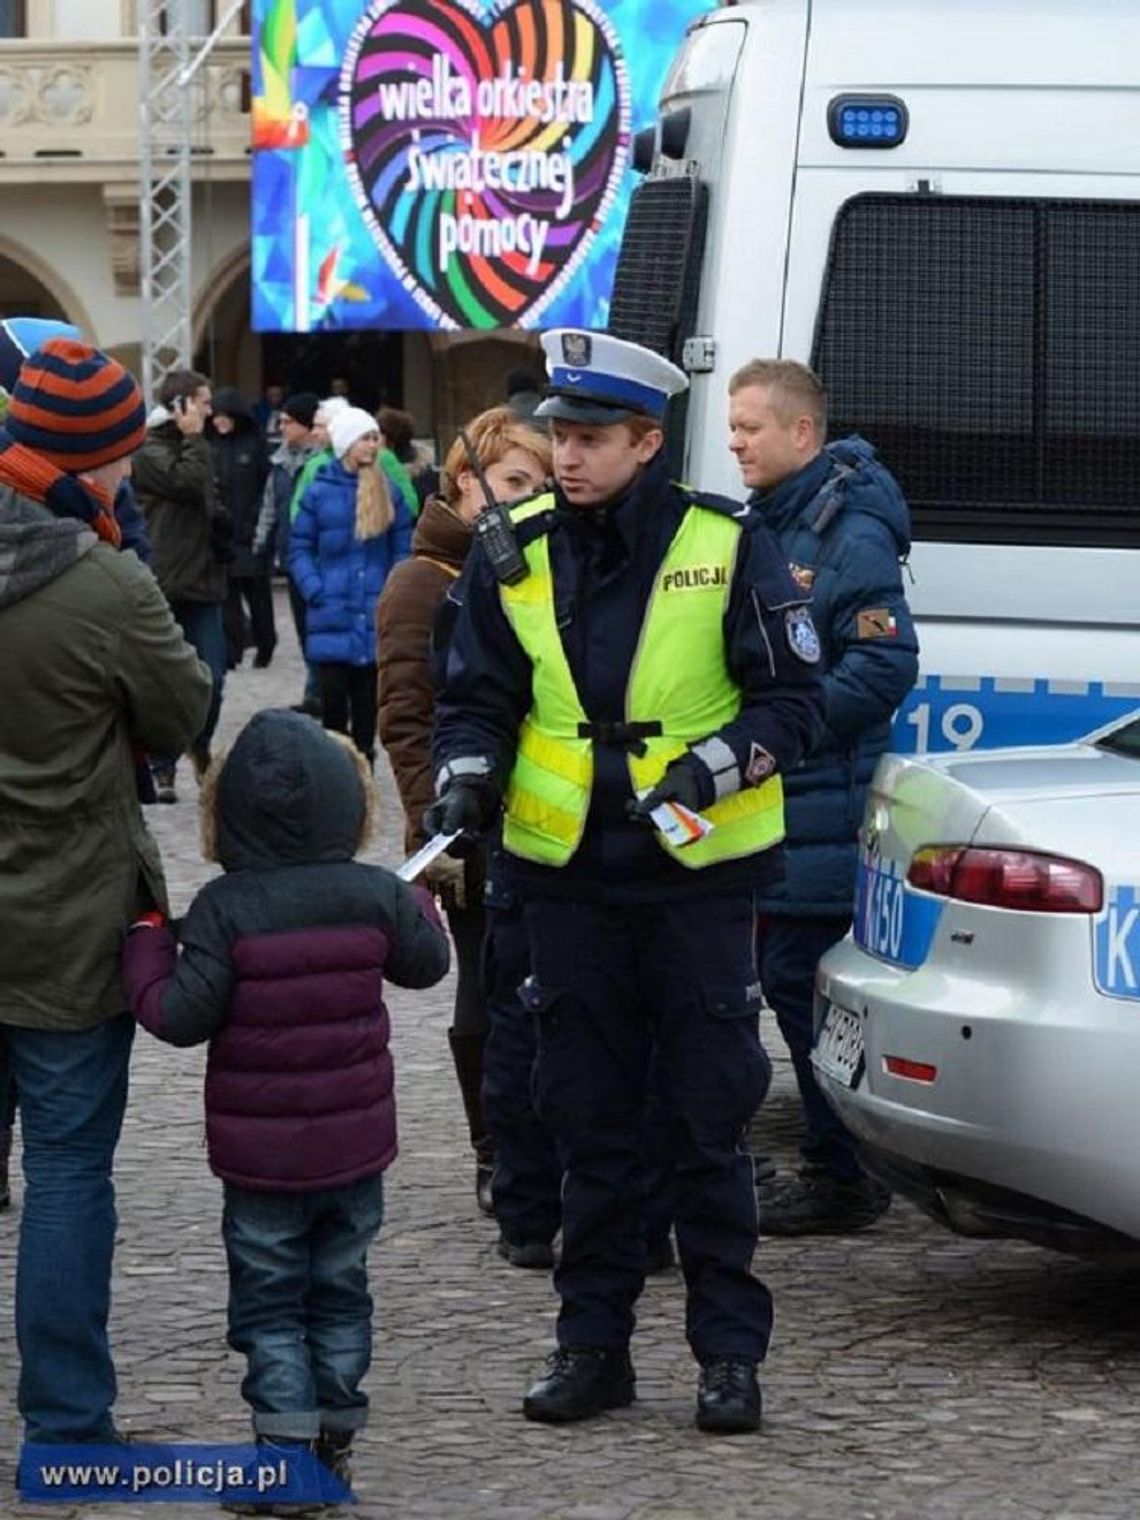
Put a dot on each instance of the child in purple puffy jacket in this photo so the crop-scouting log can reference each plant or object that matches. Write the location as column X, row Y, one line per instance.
column 282, row 967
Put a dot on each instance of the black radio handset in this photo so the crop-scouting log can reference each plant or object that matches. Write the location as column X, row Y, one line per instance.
column 494, row 527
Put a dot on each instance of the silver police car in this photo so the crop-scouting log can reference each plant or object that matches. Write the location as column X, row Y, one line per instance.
column 979, row 1029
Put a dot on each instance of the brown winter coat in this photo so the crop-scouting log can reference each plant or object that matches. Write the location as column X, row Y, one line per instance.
column 405, row 613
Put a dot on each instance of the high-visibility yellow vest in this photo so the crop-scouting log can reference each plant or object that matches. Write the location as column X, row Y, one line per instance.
column 679, row 678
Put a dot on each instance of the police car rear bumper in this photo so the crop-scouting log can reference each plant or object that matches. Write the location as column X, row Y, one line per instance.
column 1024, row 1083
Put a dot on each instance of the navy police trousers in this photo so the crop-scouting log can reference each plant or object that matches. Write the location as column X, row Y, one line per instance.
column 619, row 992
column 527, row 1182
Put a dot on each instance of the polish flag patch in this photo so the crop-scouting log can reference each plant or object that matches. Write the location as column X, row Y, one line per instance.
column 876, row 623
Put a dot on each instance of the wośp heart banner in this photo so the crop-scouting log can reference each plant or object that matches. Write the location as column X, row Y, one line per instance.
column 448, row 163
column 484, row 156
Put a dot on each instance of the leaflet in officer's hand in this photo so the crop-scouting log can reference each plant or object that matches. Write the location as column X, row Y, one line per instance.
column 416, row 864
column 679, row 824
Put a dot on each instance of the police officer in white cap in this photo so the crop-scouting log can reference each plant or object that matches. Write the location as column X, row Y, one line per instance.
column 623, row 642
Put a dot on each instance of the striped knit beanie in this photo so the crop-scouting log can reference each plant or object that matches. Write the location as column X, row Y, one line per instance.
column 75, row 407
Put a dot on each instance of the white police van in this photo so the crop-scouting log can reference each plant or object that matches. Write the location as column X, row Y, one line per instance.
column 937, row 204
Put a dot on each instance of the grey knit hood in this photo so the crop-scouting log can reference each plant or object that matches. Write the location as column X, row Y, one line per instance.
column 35, row 546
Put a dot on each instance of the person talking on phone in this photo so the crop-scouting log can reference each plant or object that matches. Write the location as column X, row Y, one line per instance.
column 174, row 482
column 623, row 644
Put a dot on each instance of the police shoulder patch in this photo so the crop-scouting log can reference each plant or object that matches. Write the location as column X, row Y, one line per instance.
column 876, row 623
column 803, row 640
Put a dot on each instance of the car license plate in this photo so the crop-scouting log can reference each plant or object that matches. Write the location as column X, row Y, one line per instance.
column 838, row 1051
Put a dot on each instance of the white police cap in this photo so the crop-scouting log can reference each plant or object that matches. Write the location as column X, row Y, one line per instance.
column 596, row 378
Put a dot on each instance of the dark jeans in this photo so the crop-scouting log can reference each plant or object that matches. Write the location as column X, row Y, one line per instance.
column 299, row 1307
column 72, row 1090
column 204, row 630
column 348, row 703
column 256, row 591
column 527, row 1182
column 619, row 992
column 298, row 607
column 789, row 950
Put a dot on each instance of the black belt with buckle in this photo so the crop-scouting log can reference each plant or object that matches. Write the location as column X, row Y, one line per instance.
column 627, row 736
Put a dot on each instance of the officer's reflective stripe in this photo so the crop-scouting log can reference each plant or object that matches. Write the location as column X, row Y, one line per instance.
column 538, row 816
column 679, row 677
column 550, row 753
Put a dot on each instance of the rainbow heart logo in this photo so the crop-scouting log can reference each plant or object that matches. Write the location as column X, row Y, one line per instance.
column 484, row 148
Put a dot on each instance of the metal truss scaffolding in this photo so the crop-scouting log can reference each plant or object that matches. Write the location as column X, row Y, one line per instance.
column 172, row 105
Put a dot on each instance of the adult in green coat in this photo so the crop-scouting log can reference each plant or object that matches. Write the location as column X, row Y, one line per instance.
column 92, row 668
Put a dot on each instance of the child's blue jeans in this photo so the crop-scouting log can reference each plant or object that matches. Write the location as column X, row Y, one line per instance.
column 299, row 1307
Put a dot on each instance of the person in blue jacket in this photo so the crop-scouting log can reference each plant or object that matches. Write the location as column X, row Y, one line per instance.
column 352, row 525
column 843, row 526
column 643, row 645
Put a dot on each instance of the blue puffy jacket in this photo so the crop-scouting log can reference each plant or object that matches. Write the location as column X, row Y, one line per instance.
column 339, row 575
column 844, row 526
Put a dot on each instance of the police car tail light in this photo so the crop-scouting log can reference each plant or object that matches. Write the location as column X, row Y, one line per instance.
column 932, row 868
column 1019, row 879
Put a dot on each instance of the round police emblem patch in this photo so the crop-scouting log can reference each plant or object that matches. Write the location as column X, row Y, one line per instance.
column 803, row 640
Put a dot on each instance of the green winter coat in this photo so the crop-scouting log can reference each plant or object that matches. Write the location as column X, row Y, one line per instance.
column 92, row 664
column 173, row 478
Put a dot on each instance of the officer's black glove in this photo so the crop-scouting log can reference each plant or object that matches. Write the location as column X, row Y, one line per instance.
column 681, row 783
column 467, row 807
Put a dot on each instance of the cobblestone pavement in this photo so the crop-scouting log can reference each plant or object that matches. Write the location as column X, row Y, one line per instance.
column 912, row 1374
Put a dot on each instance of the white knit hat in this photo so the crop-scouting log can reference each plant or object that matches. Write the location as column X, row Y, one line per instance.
column 349, row 426
column 331, row 407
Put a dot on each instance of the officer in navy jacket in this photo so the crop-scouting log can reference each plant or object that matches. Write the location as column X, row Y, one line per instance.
column 639, row 643
column 843, row 527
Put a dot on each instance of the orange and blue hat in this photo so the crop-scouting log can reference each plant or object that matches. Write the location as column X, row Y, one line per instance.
column 75, row 406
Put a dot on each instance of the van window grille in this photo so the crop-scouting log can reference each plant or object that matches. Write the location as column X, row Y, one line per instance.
column 990, row 349
column 657, row 283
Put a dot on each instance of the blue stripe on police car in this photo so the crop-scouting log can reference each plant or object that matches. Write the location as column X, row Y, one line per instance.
column 1116, row 941
column 892, row 922
column 946, row 712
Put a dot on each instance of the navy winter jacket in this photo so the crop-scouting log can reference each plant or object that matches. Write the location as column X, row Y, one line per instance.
column 843, row 526
column 339, row 575
column 131, row 524
column 282, row 968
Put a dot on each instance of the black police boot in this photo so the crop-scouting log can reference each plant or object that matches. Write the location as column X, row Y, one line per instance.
column 484, row 1176
column 728, row 1396
column 467, row 1054
column 580, row 1381
column 815, row 1203
column 538, row 1254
